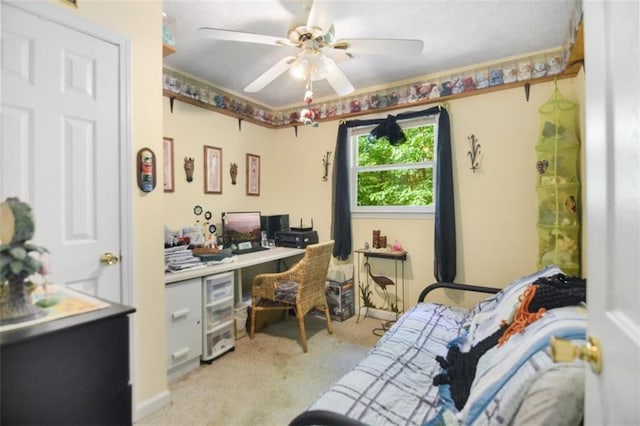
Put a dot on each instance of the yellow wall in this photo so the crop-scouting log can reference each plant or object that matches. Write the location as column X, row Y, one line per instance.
column 192, row 128
column 496, row 206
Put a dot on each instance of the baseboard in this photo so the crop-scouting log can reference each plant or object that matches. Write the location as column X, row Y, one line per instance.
column 152, row 405
column 378, row 313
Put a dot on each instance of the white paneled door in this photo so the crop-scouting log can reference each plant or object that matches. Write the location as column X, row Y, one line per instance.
column 612, row 70
column 60, row 148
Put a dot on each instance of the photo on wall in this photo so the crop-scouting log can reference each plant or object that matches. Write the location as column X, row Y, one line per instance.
column 167, row 164
column 253, row 174
column 212, row 170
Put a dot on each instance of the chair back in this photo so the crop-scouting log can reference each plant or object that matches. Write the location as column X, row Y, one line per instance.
column 312, row 272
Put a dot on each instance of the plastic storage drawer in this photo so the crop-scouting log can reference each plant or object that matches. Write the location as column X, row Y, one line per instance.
column 218, row 287
column 219, row 341
column 219, row 313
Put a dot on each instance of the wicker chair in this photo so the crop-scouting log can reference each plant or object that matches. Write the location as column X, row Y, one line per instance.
column 301, row 288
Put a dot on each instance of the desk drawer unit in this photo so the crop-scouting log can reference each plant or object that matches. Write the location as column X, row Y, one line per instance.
column 184, row 302
column 184, row 344
column 183, row 317
column 218, row 315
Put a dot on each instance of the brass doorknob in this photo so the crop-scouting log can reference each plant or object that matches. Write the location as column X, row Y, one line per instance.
column 109, row 259
column 563, row 350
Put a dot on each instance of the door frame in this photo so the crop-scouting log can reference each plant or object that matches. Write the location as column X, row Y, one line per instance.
column 58, row 15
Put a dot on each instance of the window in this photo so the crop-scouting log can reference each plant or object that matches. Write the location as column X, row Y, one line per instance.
column 394, row 179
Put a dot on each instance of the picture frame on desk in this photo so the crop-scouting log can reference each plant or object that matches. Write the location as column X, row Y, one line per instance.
column 253, row 174
column 212, row 170
column 167, row 163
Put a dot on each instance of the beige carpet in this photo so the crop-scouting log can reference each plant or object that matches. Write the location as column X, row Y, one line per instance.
column 268, row 380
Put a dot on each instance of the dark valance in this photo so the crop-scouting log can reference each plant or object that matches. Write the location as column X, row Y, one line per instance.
column 391, row 129
column 445, row 233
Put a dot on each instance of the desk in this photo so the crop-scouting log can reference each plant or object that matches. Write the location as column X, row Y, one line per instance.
column 396, row 256
column 242, row 261
column 199, row 308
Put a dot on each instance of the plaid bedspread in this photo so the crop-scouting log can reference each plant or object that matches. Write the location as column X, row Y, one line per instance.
column 393, row 384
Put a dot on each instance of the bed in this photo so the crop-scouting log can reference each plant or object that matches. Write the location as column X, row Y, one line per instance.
column 486, row 365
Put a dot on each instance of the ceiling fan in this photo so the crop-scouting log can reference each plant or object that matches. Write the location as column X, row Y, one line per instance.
column 317, row 52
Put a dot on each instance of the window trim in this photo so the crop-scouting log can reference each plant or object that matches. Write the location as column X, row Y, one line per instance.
column 407, row 212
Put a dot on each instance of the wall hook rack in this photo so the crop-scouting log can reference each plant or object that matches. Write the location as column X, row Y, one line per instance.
column 325, row 165
column 475, row 151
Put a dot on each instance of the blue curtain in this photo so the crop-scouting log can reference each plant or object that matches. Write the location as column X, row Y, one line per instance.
column 445, row 231
column 444, row 268
column 340, row 204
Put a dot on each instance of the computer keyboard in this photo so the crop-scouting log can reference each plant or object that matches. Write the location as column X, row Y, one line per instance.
column 249, row 250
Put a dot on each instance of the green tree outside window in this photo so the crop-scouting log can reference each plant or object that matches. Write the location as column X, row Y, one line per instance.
column 400, row 175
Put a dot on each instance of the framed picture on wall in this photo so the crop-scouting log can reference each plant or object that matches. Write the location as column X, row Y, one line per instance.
column 167, row 164
column 212, row 170
column 253, row 174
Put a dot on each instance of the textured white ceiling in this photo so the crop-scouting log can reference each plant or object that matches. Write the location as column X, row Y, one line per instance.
column 455, row 33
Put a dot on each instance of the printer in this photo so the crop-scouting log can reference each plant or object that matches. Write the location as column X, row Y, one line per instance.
column 296, row 238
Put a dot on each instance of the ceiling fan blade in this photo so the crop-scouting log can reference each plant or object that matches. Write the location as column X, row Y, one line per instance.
column 337, row 79
column 270, row 75
column 320, row 15
column 230, row 35
column 372, row 46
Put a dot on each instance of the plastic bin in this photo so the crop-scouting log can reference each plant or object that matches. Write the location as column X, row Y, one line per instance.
column 241, row 315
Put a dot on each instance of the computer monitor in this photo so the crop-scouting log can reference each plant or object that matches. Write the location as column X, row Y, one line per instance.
column 241, row 227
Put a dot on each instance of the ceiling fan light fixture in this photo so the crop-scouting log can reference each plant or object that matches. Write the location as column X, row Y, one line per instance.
column 299, row 68
column 310, row 63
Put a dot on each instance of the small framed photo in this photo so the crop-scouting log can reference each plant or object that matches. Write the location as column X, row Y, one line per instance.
column 212, row 170
column 253, row 174
column 167, row 164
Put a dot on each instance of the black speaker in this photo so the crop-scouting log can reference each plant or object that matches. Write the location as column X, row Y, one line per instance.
column 273, row 223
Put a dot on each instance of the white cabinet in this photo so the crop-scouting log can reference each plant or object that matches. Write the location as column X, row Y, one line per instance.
column 217, row 315
column 183, row 315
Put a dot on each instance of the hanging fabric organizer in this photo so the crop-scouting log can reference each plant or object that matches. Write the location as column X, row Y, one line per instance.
column 558, row 185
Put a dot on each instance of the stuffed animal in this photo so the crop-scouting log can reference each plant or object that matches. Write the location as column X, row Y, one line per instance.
column 539, row 69
column 554, row 64
column 435, row 92
column 413, row 94
column 393, row 98
column 354, row 105
column 219, row 100
column 563, row 253
column 424, row 92
column 468, row 84
column 364, row 103
column 446, row 88
column 495, row 77
column 509, row 73
column 524, row 71
column 482, row 79
column 458, row 86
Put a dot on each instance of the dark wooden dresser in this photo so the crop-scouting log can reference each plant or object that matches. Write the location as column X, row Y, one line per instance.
column 73, row 370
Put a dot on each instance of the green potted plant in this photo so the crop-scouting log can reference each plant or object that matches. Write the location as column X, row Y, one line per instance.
column 17, row 262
